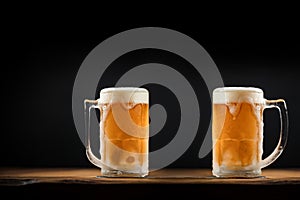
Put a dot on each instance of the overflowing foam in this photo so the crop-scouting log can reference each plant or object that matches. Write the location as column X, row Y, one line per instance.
column 237, row 135
column 124, row 94
column 227, row 95
column 124, row 142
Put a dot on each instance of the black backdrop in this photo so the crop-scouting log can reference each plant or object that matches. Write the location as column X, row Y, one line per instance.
column 42, row 57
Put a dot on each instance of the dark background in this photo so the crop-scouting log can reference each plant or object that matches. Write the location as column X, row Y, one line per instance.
column 42, row 57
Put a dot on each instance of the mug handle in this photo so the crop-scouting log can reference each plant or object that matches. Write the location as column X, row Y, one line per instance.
column 88, row 105
column 283, row 114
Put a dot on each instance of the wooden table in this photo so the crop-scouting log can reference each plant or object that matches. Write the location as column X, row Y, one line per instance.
column 74, row 182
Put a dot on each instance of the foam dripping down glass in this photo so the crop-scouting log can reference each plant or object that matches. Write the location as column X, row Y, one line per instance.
column 124, row 131
column 237, row 131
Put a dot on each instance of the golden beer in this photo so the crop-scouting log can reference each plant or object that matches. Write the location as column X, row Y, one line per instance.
column 120, row 148
column 238, row 141
column 237, row 131
column 124, row 131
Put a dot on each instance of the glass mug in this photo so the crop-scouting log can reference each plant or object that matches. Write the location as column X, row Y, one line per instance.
column 237, row 131
column 124, row 131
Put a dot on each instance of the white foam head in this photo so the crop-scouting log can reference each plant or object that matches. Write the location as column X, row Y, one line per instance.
column 124, row 94
column 225, row 95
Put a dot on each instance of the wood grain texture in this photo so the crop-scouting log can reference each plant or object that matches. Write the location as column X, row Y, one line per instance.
column 25, row 176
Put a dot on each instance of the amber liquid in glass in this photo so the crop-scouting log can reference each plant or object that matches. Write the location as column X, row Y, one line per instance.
column 120, row 149
column 237, row 137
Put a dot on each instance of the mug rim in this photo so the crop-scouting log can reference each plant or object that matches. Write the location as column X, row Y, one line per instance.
column 123, row 89
column 238, row 89
column 124, row 94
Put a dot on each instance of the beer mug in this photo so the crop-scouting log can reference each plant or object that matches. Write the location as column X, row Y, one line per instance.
column 124, row 131
column 237, row 131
